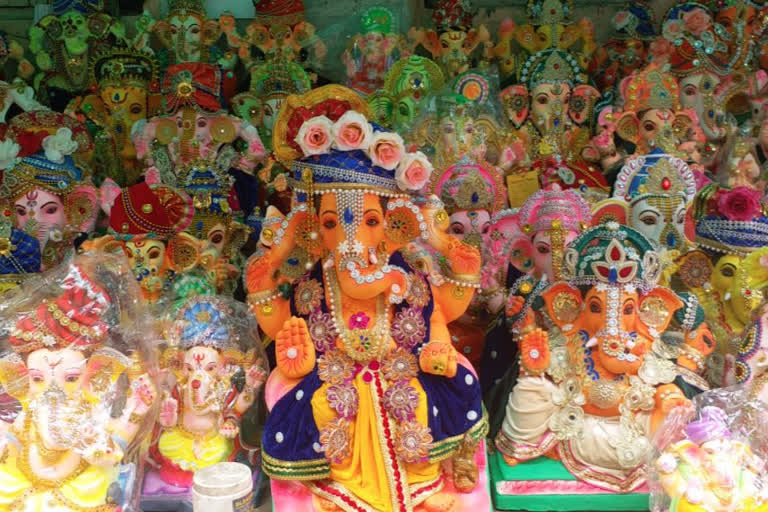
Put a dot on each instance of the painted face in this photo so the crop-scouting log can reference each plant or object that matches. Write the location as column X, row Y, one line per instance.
column 405, row 111
column 271, row 109
column 543, row 252
column 725, row 273
column 126, row 105
column 146, row 258
column 729, row 16
column 41, row 214
column 697, row 91
column 202, row 367
column 217, row 235
column 655, row 126
column 549, row 106
column 64, row 369
column 471, row 226
column 457, row 133
column 186, row 31
column 452, row 52
column 661, row 219
column 75, row 32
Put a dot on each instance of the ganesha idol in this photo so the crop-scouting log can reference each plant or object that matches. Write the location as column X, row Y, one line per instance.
column 552, row 107
column 472, row 193
column 77, row 365
column 123, row 81
column 731, row 229
column 146, row 223
column 593, row 388
column 652, row 194
column 46, row 188
column 217, row 368
column 371, row 406
column 455, row 44
column 748, row 367
column 369, row 54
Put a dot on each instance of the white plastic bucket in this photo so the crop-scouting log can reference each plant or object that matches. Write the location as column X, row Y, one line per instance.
column 223, row 487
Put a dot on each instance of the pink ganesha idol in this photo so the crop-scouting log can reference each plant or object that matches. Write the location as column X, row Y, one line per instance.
column 215, row 370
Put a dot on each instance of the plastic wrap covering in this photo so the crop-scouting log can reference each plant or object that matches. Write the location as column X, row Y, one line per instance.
column 79, row 395
column 712, row 457
column 212, row 396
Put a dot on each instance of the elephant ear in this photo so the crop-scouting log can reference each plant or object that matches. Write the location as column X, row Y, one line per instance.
column 517, row 96
column 238, row 235
column 163, row 31
column 183, row 252
column 52, row 27
column 99, row 24
column 95, row 109
column 248, row 106
column 521, row 254
column 14, row 376
column 582, row 104
column 109, row 192
column 657, row 308
column 83, row 207
column 211, row 32
column 628, row 127
column 173, row 359
column 610, row 210
column 563, row 303
column 102, row 370
column 402, row 223
column 431, row 41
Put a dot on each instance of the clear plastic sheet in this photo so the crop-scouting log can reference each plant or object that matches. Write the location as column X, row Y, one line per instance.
column 214, row 368
column 78, row 368
column 712, row 456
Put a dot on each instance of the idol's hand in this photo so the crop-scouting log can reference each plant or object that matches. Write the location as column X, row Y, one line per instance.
column 438, row 358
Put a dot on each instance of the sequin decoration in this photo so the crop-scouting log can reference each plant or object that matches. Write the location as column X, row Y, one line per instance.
column 334, row 440
column 322, row 331
column 412, row 441
column 401, row 400
column 334, row 367
column 408, row 328
column 398, row 365
column 418, row 292
column 343, row 399
column 308, row 296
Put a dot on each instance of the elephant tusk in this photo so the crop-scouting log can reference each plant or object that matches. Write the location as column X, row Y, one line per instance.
column 372, row 256
column 592, row 342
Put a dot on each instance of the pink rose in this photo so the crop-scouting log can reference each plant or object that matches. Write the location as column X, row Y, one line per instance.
column 386, row 150
column 352, row 131
column 315, row 136
column 672, row 29
column 413, row 172
column 660, row 48
column 696, row 21
column 740, row 203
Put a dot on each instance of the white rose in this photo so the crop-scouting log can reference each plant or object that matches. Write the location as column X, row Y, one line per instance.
column 60, row 145
column 352, row 131
column 315, row 136
column 413, row 172
column 9, row 150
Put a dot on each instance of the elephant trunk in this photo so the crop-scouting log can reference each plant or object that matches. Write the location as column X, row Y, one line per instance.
column 369, row 280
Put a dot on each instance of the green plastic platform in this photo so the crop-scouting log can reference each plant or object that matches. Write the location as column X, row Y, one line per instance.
column 544, row 468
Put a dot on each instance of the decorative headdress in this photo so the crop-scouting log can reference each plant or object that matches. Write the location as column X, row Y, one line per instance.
column 413, row 76
column 452, row 105
column 468, row 185
column 377, row 19
column 279, row 78
column 202, row 321
column 453, row 15
column 554, row 208
column 19, row 255
column 636, row 21
column 472, row 86
column 44, row 149
column 157, row 211
column 696, row 43
column 611, row 254
column 188, row 6
column 75, row 319
column 650, row 88
column 575, row 174
column 279, row 12
column 548, row 12
column 730, row 220
column 551, row 66
column 655, row 174
column 193, row 84
column 83, row 6
column 121, row 66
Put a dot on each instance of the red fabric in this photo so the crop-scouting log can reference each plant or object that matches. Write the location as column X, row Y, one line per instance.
column 332, row 109
column 287, row 12
column 204, row 79
column 30, row 142
column 129, row 211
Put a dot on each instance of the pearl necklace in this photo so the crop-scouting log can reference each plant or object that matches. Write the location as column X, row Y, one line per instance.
column 359, row 344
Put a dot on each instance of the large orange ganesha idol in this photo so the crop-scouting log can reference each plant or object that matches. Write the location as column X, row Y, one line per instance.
column 372, row 408
column 594, row 387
